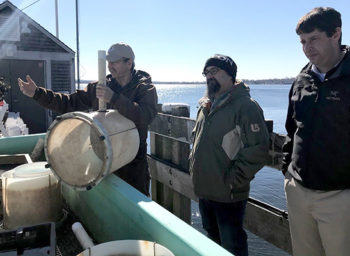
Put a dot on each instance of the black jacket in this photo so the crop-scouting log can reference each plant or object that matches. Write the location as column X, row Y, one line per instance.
column 317, row 147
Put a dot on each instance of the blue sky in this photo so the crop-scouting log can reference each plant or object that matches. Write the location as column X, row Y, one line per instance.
column 173, row 39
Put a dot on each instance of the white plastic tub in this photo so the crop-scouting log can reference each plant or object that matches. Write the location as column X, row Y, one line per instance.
column 31, row 195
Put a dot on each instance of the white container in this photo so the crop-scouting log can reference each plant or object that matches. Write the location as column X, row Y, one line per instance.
column 31, row 195
column 82, row 148
column 127, row 247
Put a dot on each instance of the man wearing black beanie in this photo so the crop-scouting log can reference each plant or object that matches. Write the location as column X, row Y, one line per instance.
column 230, row 145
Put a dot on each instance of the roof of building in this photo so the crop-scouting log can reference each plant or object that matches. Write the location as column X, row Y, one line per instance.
column 38, row 28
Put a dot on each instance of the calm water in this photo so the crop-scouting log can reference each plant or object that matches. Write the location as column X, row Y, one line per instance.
column 268, row 183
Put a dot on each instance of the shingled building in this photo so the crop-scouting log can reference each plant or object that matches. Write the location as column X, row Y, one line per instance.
column 27, row 48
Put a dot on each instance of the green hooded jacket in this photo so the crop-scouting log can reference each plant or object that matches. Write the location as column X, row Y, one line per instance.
column 231, row 144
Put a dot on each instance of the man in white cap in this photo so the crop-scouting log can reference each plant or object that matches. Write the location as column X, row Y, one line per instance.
column 129, row 91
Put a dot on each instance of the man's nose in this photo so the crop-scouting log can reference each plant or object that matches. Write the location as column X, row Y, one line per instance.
column 308, row 45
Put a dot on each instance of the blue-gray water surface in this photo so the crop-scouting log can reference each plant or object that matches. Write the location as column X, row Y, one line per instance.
column 268, row 183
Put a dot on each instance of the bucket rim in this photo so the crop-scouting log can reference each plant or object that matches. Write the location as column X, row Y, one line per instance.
column 107, row 159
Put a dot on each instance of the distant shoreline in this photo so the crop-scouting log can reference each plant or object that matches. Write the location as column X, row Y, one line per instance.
column 286, row 81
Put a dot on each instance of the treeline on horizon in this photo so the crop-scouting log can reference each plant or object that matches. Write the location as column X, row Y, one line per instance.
column 288, row 81
column 247, row 81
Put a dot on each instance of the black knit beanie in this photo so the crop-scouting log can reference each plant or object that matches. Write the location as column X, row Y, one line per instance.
column 223, row 62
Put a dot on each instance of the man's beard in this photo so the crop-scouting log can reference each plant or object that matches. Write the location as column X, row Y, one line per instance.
column 213, row 87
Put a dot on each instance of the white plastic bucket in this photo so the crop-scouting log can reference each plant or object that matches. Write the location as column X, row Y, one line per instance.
column 127, row 247
column 31, row 195
column 82, row 148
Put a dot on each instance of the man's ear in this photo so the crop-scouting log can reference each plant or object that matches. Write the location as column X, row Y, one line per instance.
column 129, row 62
column 337, row 34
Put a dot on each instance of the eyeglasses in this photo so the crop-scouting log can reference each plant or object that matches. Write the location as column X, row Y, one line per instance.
column 212, row 71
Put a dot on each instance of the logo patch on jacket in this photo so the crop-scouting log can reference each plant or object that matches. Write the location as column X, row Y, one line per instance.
column 255, row 127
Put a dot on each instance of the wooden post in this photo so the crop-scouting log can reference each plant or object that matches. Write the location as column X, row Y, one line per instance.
column 176, row 152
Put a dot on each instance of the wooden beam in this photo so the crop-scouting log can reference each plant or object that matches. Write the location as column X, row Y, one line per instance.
column 269, row 223
column 172, row 177
column 173, row 126
column 171, row 150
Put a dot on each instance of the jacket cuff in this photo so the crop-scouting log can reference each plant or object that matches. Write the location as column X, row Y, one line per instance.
column 37, row 93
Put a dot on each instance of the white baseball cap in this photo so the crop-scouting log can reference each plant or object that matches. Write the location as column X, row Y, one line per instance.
column 118, row 51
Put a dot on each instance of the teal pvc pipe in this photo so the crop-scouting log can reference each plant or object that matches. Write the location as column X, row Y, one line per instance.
column 19, row 144
column 113, row 210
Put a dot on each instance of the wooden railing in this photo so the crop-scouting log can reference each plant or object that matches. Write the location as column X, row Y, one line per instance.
column 170, row 139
